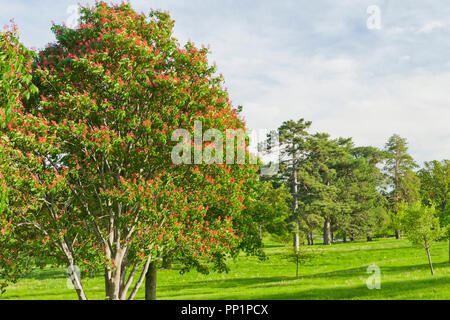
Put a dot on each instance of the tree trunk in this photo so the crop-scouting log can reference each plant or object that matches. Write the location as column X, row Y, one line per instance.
column 429, row 260
column 74, row 274
column 308, row 239
column 443, row 206
column 369, row 238
column 296, row 241
column 396, row 196
column 327, row 232
column 295, row 198
column 114, row 286
column 312, row 239
column 107, row 288
column 76, row 281
column 344, row 238
column 150, row 281
column 260, row 231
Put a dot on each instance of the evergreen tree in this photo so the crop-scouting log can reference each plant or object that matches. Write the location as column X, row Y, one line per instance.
column 402, row 181
column 318, row 176
column 292, row 137
column 359, row 187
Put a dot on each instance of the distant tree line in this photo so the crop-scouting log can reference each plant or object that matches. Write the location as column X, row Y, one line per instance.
column 349, row 192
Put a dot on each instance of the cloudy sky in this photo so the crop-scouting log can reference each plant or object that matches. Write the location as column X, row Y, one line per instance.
column 356, row 68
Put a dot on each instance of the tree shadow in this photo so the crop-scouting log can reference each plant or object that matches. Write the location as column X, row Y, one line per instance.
column 30, row 296
column 268, row 246
column 45, row 274
column 227, row 283
column 409, row 268
column 392, row 289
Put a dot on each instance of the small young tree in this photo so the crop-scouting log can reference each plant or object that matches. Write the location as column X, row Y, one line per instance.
column 300, row 255
column 421, row 226
column 435, row 188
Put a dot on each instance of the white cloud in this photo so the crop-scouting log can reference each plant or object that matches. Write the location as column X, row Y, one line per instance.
column 431, row 26
column 405, row 58
column 340, row 99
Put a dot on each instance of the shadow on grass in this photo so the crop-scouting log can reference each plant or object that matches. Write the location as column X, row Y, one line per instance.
column 267, row 246
column 45, row 274
column 415, row 267
column 362, row 247
column 227, row 283
column 400, row 289
column 43, row 295
column 256, row 281
column 394, row 289
column 348, row 273
column 391, row 289
column 52, row 273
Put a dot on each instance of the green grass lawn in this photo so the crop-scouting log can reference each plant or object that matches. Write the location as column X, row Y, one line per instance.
column 337, row 272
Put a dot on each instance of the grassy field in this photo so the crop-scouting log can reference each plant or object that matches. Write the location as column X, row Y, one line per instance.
column 337, row 272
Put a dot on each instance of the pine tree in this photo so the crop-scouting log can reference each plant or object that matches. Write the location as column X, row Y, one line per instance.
column 292, row 137
column 402, row 180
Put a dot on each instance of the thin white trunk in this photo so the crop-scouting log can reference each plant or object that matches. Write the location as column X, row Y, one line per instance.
column 141, row 279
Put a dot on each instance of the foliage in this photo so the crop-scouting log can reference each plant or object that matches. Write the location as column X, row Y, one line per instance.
column 435, row 183
column 421, row 224
column 15, row 66
column 422, row 227
column 401, row 179
column 269, row 206
column 435, row 188
column 94, row 153
column 15, row 85
column 331, row 179
column 300, row 257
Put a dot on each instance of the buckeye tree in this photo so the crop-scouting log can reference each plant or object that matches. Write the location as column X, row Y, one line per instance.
column 94, row 177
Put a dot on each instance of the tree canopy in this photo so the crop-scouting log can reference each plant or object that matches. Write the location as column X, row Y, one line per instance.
column 94, row 178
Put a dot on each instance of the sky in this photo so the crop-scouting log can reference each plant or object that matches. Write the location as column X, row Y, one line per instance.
column 355, row 68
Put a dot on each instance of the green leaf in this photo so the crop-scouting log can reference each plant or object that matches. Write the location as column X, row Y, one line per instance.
column 27, row 78
column 34, row 89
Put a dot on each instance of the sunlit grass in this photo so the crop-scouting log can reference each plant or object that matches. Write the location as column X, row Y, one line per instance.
column 337, row 272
